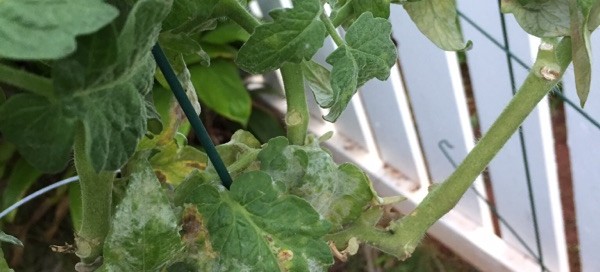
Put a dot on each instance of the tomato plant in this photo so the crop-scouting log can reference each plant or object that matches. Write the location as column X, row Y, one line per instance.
column 81, row 79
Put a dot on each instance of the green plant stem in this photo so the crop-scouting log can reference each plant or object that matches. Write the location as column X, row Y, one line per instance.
column 27, row 81
column 296, row 117
column 238, row 13
column 96, row 197
column 402, row 236
column 331, row 30
column 342, row 14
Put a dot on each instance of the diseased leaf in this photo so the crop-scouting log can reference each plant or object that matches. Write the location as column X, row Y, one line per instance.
column 581, row 48
column 258, row 228
column 294, row 35
column 144, row 234
column 220, row 88
column 33, row 29
column 101, row 86
column 338, row 193
column 541, row 18
column 437, row 20
column 368, row 53
column 173, row 163
column 319, row 81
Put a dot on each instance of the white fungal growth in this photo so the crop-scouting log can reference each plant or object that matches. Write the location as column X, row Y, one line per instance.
column 549, row 73
column 545, row 46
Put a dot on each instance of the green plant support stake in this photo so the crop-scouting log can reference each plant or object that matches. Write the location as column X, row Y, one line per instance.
column 192, row 116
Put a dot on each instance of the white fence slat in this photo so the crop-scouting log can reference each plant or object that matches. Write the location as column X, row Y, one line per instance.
column 389, row 115
column 491, row 83
column 434, row 86
column 584, row 147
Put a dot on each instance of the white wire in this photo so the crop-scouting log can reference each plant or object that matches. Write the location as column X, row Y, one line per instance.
column 38, row 193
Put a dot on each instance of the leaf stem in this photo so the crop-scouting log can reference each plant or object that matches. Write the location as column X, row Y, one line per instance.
column 96, row 197
column 238, row 13
column 296, row 117
column 27, row 81
column 402, row 236
column 331, row 30
column 342, row 14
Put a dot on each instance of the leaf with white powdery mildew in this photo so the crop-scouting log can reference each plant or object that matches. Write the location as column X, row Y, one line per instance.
column 294, row 35
column 144, row 235
column 256, row 227
column 33, row 29
column 368, row 53
column 437, row 20
column 339, row 193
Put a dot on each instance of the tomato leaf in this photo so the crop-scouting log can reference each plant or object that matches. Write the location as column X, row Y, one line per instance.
column 581, row 48
column 101, row 86
column 294, row 35
column 319, row 82
column 549, row 18
column 437, row 20
column 338, row 193
column 352, row 9
column 3, row 264
column 144, row 234
column 9, row 239
column 368, row 53
column 245, row 224
column 31, row 29
column 173, row 163
column 221, row 88
column 22, row 176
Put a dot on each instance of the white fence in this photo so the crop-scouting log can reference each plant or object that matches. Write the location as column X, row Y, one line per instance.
column 406, row 131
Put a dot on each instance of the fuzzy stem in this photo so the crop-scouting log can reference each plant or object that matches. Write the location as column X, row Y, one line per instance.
column 96, row 197
column 331, row 30
column 342, row 15
column 27, row 81
column 296, row 117
column 238, row 13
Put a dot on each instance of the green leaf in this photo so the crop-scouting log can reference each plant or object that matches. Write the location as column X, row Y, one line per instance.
column 258, row 228
column 101, row 86
column 319, row 81
column 190, row 16
column 32, row 29
column 541, row 18
column 338, row 193
column 173, row 163
column 265, row 125
column 225, row 33
column 2, row 97
column 144, row 235
column 294, row 35
column 220, row 88
column 368, row 53
column 9, row 239
column 20, row 180
column 437, row 20
column 581, row 48
column 345, row 12
column 3, row 264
